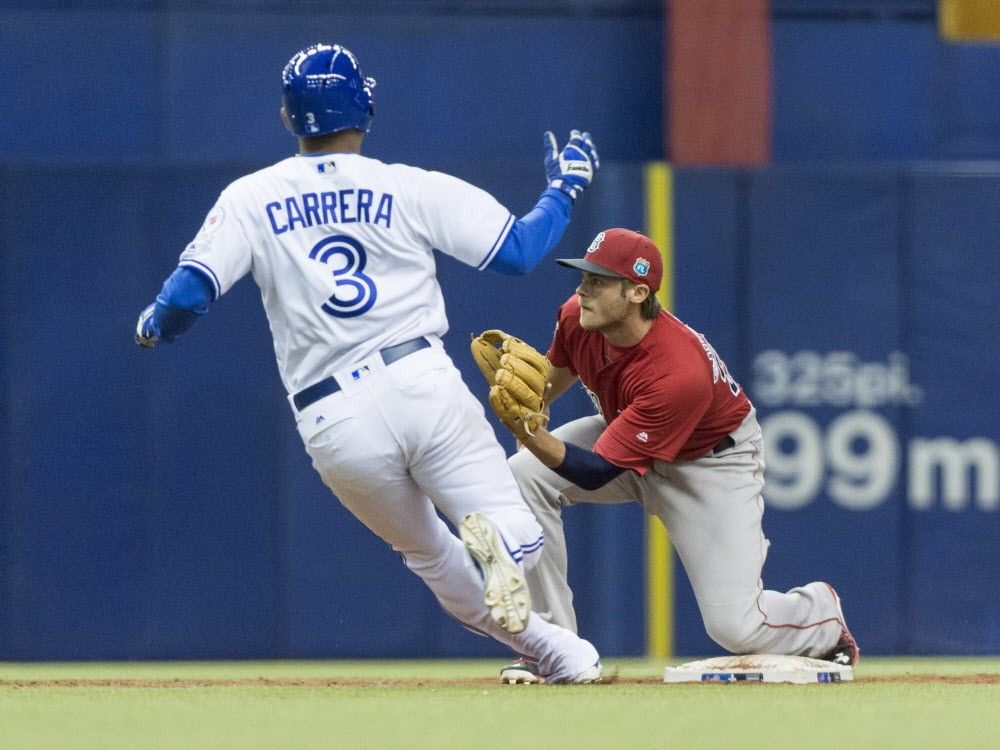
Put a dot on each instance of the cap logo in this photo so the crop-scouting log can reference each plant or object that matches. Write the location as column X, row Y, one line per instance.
column 596, row 243
column 641, row 266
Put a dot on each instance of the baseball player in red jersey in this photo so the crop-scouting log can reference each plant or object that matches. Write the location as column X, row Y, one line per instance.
column 675, row 432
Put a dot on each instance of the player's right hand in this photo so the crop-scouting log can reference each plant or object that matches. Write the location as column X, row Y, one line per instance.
column 572, row 169
column 145, row 330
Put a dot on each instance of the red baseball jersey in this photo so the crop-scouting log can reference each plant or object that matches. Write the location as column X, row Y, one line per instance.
column 668, row 398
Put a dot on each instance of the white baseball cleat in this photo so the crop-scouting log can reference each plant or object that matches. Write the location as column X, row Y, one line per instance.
column 506, row 593
column 573, row 661
column 525, row 672
column 588, row 676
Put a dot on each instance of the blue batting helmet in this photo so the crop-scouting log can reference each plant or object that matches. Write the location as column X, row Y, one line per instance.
column 324, row 91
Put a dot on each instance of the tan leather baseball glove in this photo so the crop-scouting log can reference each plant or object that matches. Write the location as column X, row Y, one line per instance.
column 518, row 375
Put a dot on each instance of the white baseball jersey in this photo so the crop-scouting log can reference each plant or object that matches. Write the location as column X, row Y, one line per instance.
column 340, row 246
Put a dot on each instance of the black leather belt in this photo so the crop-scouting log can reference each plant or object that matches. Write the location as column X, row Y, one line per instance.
column 325, row 387
column 723, row 445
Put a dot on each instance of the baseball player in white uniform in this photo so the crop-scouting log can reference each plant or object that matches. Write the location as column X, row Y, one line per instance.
column 340, row 245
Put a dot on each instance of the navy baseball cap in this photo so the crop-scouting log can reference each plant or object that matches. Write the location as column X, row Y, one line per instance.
column 624, row 254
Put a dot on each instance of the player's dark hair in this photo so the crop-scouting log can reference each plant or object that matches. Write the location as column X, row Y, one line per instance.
column 649, row 308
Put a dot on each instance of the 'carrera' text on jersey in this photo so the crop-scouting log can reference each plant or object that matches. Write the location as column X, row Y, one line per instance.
column 330, row 207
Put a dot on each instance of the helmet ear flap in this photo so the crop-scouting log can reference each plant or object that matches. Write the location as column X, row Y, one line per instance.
column 369, row 89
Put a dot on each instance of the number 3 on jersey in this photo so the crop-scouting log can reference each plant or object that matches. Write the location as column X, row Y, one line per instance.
column 355, row 293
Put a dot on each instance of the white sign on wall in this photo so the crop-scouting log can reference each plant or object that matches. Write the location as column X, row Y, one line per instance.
column 857, row 460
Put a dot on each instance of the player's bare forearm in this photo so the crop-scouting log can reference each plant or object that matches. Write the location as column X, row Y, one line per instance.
column 547, row 448
column 579, row 465
column 560, row 379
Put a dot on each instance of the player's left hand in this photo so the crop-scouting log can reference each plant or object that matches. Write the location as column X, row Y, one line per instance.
column 146, row 333
column 572, row 169
column 520, row 419
column 518, row 375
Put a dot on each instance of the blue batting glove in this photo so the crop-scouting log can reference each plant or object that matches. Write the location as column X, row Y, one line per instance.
column 572, row 169
column 146, row 332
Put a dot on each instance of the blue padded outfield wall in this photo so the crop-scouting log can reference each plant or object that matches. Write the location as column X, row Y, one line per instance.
column 857, row 305
column 159, row 504
column 195, row 83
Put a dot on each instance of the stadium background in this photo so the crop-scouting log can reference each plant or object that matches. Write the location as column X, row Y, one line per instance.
column 826, row 188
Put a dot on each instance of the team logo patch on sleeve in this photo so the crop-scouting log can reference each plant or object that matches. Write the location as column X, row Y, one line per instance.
column 641, row 266
column 214, row 220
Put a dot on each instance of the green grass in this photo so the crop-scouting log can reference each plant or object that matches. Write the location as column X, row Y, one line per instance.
column 482, row 715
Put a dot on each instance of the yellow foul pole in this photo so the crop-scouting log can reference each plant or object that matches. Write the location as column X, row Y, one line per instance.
column 659, row 561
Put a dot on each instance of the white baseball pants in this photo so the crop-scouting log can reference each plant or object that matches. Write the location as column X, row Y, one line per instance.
column 403, row 440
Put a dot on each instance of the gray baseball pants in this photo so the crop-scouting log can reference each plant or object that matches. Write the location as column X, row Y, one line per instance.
column 712, row 509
